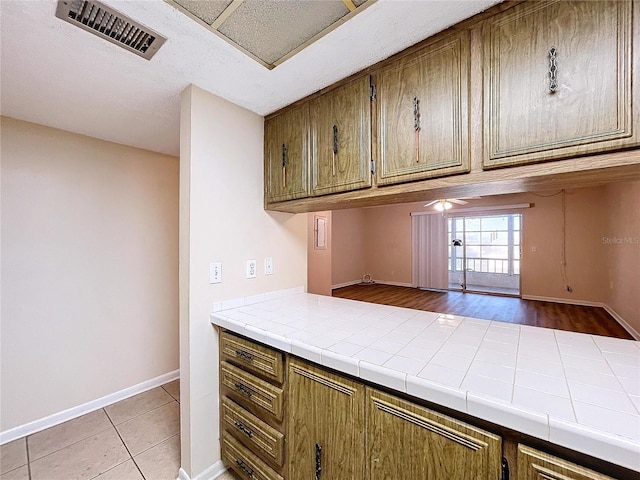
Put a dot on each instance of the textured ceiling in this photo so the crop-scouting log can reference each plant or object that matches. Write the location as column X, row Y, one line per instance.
column 55, row 74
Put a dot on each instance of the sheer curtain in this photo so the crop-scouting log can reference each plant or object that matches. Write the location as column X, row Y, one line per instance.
column 429, row 254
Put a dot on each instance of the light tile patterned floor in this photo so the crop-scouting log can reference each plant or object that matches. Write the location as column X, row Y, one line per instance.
column 135, row 439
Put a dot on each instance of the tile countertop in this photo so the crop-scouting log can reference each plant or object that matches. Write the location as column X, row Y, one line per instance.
column 575, row 390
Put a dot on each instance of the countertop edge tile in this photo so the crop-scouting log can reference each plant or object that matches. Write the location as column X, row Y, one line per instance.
column 619, row 450
column 508, row 415
column 383, row 376
column 339, row 362
column 434, row 392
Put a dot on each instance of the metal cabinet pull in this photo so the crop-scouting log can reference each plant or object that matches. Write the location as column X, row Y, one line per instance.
column 553, row 70
column 335, row 150
column 242, row 388
column 318, row 461
column 505, row 469
column 244, row 355
column 243, row 466
column 416, row 126
column 242, row 427
column 285, row 160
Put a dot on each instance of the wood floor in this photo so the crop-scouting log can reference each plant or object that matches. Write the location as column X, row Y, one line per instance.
column 593, row 320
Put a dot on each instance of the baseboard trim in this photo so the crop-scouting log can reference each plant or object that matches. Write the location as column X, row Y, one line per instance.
column 212, row 472
column 346, row 284
column 379, row 282
column 632, row 331
column 623, row 323
column 568, row 301
column 74, row 412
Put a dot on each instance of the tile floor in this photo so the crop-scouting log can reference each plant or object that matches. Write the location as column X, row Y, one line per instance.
column 135, row 439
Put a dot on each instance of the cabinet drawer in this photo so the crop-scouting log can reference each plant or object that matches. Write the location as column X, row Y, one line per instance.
column 253, row 431
column 253, row 357
column 252, row 390
column 244, row 462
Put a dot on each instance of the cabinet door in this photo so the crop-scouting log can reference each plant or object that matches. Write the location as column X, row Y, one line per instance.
column 286, row 155
column 536, row 465
column 409, row 442
column 326, row 425
column 557, row 81
column 341, row 139
column 423, row 113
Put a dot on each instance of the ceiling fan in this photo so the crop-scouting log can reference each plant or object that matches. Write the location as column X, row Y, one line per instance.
column 446, row 203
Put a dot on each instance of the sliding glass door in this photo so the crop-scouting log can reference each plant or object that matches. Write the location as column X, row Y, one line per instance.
column 484, row 253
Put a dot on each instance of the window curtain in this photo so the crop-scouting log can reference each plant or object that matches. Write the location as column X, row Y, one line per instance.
column 429, row 254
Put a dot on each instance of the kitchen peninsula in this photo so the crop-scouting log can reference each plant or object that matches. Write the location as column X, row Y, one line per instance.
column 557, row 391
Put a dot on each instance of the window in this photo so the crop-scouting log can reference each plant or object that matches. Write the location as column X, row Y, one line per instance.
column 492, row 244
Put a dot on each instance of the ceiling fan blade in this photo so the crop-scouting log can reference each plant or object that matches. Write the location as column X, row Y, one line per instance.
column 458, row 201
column 432, row 203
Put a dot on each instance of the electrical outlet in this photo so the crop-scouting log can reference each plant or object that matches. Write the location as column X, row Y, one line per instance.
column 268, row 266
column 215, row 272
column 252, row 267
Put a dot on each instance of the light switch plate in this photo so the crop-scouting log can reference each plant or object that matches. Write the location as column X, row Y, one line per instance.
column 268, row 266
column 215, row 272
column 252, row 267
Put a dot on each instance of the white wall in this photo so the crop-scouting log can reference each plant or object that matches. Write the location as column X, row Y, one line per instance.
column 89, row 269
column 222, row 219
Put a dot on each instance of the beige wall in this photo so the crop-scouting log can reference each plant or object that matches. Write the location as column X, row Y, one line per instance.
column 89, row 269
column 622, row 244
column 592, row 213
column 319, row 259
column 348, row 234
column 222, row 219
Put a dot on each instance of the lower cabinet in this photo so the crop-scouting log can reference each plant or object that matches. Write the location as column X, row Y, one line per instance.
column 309, row 423
column 407, row 441
column 325, row 434
column 536, row 465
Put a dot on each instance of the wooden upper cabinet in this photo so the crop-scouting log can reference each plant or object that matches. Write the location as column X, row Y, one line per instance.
column 286, row 155
column 325, row 434
column 408, row 442
column 423, row 113
column 341, row 139
column 558, row 81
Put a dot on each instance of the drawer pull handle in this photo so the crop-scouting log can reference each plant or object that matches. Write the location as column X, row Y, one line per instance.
column 242, row 388
column 553, row 70
column 318, row 461
column 241, row 426
column 243, row 466
column 245, row 355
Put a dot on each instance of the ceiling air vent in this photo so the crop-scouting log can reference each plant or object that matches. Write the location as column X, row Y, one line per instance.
column 111, row 25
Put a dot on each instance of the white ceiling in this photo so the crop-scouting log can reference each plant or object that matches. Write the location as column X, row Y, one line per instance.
column 58, row 75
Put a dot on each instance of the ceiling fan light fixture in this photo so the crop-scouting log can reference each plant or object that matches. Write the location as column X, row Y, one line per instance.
column 442, row 205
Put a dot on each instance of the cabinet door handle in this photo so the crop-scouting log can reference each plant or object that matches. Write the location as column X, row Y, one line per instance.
column 242, row 427
column 318, row 461
column 242, row 388
column 244, row 355
column 335, row 150
column 553, row 70
column 285, row 160
column 416, row 126
column 243, row 466
column 505, row 469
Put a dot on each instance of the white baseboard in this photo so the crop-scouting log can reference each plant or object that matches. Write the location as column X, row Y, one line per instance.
column 568, row 301
column 623, row 323
column 74, row 412
column 214, row 471
column 379, row 282
column 632, row 331
column 395, row 284
column 346, row 284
